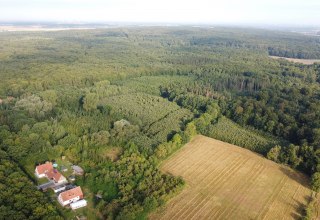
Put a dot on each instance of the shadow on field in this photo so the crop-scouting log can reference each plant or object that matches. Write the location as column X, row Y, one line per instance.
column 303, row 180
column 295, row 216
column 300, row 208
column 296, row 176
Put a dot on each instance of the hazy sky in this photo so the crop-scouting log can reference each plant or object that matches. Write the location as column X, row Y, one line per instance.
column 274, row 12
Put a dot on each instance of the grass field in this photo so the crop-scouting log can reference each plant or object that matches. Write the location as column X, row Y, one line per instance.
column 224, row 181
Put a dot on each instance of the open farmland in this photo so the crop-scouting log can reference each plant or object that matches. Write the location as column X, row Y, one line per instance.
column 303, row 61
column 228, row 182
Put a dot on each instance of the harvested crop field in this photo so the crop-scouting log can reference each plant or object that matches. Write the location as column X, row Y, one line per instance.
column 224, row 181
column 303, row 61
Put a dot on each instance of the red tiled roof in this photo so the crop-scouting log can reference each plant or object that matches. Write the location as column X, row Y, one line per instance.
column 72, row 193
column 54, row 174
column 43, row 168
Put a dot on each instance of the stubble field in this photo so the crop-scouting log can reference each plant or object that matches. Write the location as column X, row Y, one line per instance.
column 303, row 61
column 224, row 181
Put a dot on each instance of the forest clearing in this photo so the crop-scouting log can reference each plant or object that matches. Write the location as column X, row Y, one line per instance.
column 224, row 181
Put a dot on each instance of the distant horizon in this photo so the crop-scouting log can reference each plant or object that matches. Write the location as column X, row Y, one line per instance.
column 124, row 23
column 209, row 12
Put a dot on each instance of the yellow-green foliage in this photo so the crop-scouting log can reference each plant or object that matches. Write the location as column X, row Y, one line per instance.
column 228, row 131
column 156, row 116
column 151, row 84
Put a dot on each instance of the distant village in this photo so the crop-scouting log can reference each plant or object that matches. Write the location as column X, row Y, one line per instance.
column 68, row 194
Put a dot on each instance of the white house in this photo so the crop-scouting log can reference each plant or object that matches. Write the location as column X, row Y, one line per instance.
column 78, row 204
column 70, row 196
column 42, row 169
column 47, row 170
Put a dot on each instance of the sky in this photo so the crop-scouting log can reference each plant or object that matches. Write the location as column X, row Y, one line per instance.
column 269, row 12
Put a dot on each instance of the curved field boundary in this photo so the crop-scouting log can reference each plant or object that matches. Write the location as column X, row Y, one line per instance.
column 228, row 182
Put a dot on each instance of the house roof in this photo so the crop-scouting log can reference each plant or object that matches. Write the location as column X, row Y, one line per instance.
column 72, row 193
column 43, row 168
column 54, row 174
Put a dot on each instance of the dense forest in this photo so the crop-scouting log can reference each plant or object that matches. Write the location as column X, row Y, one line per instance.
column 119, row 101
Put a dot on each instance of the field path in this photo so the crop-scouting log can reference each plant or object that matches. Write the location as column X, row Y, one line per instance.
column 224, row 181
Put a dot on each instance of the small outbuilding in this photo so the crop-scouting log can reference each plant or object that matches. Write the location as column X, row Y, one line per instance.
column 77, row 170
column 78, row 204
column 63, row 168
column 59, row 188
column 72, row 178
column 99, row 194
column 46, row 186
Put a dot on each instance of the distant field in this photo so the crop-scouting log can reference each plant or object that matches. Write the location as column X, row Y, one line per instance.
column 37, row 28
column 225, row 181
column 303, row 61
